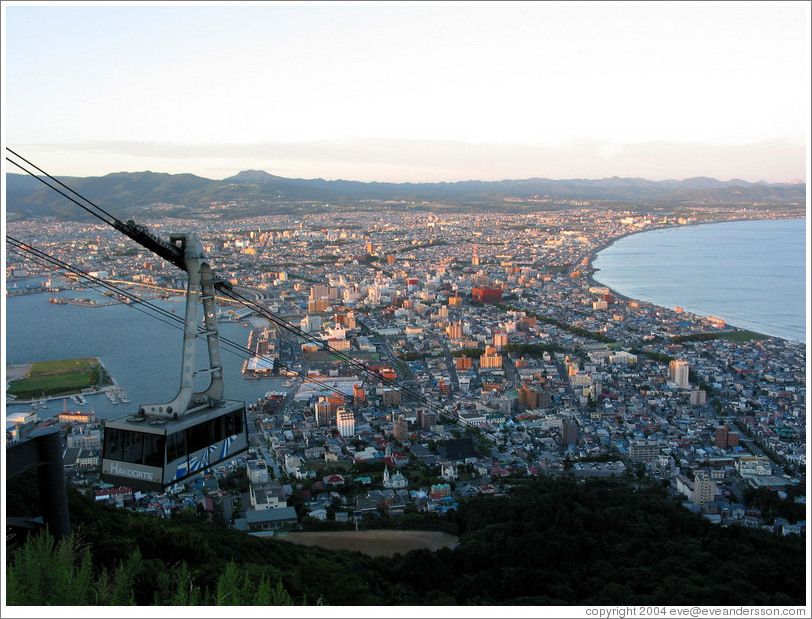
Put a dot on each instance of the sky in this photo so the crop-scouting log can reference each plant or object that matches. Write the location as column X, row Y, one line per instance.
column 411, row 92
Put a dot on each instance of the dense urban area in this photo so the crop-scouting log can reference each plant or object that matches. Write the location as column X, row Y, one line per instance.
column 492, row 355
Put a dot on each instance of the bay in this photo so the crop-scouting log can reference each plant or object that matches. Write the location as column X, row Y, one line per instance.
column 751, row 273
column 140, row 352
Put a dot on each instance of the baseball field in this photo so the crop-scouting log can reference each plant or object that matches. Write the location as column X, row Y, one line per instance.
column 375, row 543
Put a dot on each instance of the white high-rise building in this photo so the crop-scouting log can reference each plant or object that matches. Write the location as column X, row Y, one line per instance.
column 345, row 421
column 310, row 324
column 704, row 488
column 678, row 372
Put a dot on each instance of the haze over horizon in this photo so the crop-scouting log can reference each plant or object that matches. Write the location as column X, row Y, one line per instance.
column 412, row 93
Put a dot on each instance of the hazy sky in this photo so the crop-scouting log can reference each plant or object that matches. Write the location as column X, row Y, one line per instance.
column 412, row 91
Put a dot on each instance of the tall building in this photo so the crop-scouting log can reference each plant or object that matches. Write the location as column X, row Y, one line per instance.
column 483, row 294
column 351, row 323
column 724, row 438
column 359, row 395
column 336, row 400
column 400, row 428
column 345, row 420
column 491, row 358
column 641, row 450
column 426, row 419
column 678, row 372
column 318, row 305
column 311, row 324
column 475, row 259
column 720, row 438
column 391, row 397
column 500, row 340
column 323, row 413
column 319, row 291
column 454, row 330
column 569, row 432
column 528, row 399
column 704, row 488
column 463, row 363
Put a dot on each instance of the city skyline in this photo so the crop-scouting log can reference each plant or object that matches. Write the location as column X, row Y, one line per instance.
column 412, row 93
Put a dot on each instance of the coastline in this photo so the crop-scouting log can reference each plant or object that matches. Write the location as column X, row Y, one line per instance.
column 15, row 368
column 591, row 270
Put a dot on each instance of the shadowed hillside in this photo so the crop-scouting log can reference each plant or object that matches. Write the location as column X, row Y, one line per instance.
column 132, row 191
column 550, row 542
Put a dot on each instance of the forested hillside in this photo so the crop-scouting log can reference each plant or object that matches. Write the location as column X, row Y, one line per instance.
column 254, row 192
column 550, row 542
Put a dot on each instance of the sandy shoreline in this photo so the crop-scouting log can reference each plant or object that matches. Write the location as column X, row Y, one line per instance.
column 590, row 271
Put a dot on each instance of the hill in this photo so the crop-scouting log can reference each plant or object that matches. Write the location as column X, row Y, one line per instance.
column 254, row 191
column 547, row 543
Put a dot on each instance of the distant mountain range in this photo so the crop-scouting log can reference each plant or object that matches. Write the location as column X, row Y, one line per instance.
column 251, row 191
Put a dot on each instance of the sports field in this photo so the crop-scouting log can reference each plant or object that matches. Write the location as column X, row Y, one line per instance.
column 45, row 379
column 375, row 543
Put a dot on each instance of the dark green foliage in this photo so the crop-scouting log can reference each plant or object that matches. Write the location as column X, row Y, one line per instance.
column 533, row 350
column 22, row 495
column 236, row 482
column 474, row 353
column 772, row 506
column 605, row 542
column 548, row 542
column 739, row 335
column 657, row 356
column 600, row 337
column 44, row 573
column 262, row 193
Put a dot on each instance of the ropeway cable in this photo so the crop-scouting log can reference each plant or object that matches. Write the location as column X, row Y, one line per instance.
column 46, row 259
column 114, row 222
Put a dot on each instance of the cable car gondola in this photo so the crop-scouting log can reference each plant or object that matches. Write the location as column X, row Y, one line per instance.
column 154, row 454
column 167, row 443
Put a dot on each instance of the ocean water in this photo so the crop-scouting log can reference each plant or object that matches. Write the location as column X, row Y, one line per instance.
column 751, row 273
column 142, row 354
